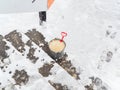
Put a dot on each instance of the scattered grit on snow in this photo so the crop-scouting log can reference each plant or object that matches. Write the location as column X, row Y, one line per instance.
column 93, row 28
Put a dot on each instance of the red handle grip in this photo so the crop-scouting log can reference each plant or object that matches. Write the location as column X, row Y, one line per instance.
column 64, row 34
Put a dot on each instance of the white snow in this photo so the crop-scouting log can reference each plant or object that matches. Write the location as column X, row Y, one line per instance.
column 86, row 22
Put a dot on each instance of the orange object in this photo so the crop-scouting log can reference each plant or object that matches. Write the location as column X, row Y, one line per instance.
column 50, row 2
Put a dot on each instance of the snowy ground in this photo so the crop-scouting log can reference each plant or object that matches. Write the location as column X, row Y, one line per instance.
column 93, row 28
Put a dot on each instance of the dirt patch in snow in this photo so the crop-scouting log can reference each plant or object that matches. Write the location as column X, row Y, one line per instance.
column 59, row 86
column 3, row 48
column 29, row 43
column 36, row 37
column 16, row 39
column 89, row 87
column 31, row 56
column 45, row 70
column 20, row 77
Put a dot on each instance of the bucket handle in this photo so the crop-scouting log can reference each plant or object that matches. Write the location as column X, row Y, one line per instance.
column 63, row 34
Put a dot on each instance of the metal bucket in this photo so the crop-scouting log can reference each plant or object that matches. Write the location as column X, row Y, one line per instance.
column 57, row 54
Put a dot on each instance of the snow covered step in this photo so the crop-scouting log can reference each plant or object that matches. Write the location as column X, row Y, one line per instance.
column 57, row 73
column 18, row 60
column 30, row 68
column 57, row 70
column 39, row 40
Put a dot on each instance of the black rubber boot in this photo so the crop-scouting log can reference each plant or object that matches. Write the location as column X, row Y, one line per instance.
column 42, row 16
